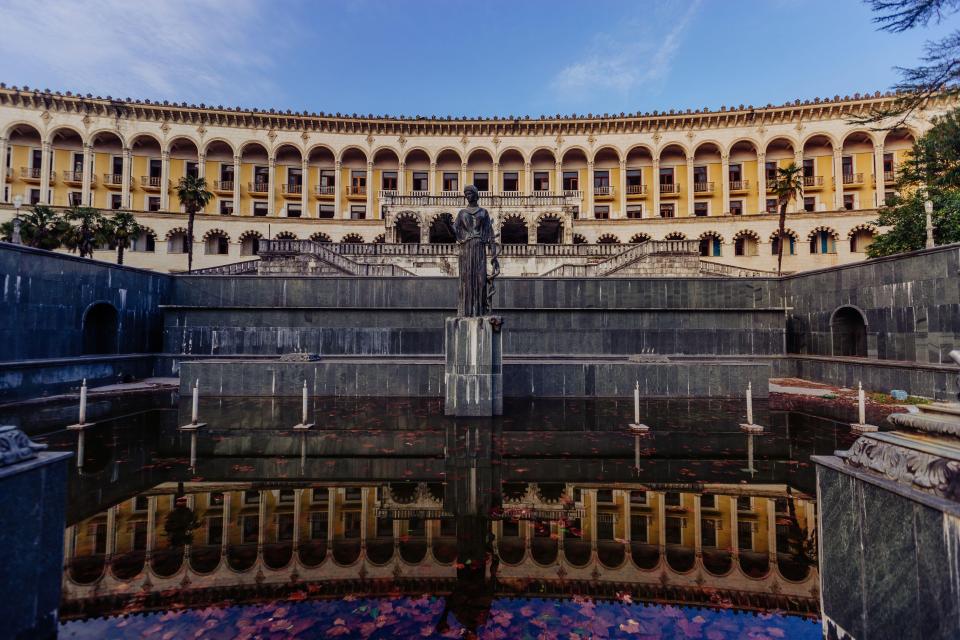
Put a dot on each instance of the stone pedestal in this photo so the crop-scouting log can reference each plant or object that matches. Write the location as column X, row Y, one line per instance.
column 32, row 522
column 473, row 372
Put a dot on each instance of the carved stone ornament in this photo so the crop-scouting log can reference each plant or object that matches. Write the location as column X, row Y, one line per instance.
column 272, row 134
column 46, row 117
column 16, row 447
column 402, row 140
column 165, row 127
column 370, row 139
column 923, row 471
column 201, row 131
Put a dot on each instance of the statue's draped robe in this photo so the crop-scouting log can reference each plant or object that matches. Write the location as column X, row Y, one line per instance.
column 474, row 231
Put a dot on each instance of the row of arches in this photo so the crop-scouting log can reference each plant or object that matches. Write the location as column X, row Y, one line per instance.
column 479, row 157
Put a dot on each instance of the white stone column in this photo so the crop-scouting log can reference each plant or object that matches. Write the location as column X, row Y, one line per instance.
column 271, row 186
column 838, row 179
column 495, row 179
column 697, row 527
column 527, row 179
column 734, row 532
column 402, row 179
column 371, row 214
column 558, row 180
column 661, row 521
column 164, row 180
column 771, row 530
column 795, row 204
column 761, row 182
column 655, row 188
column 622, row 188
column 202, row 165
column 305, row 188
column 337, row 189
column 432, row 179
column 880, row 187
column 86, row 179
column 46, row 161
column 236, row 186
column 588, row 193
column 126, row 178
column 691, row 194
column 725, row 181
column 463, row 176
column 3, row 167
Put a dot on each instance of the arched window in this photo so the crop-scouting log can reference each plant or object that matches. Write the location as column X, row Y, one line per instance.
column 608, row 238
column 746, row 243
column 407, row 228
column 848, row 327
column 711, row 245
column 216, row 243
column 639, row 238
column 320, row 236
column 790, row 249
column 352, row 238
column 579, row 239
column 513, row 230
column 861, row 237
column 285, row 235
column 177, row 241
column 823, row 240
column 100, row 329
column 145, row 242
column 549, row 230
column 250, row 243
column 441, row 229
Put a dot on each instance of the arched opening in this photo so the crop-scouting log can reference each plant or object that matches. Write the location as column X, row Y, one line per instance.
column 67, row 160
column 184, row 161
column 101, row 324
column 216, row 243
column 579, row 238
column 856, row 165
column 352, row 238
column 479, row 169
column 706, row 176
column 743, row 163
column 289, row 174
column 441, row 229
column 407, row 228
column 321, row 172
column 711, row 245
column 672, row 178
column 219, row 174
column 746, row 243
column 848, row 328
column 817, row 163
column 448, row 166
column 608, row 238
column 861, row 238
column 511, row 172
column 417, row 166
column 513, row 230
column 320, row 236
column 606, row 163
column 780, row 153
column 255, row 170
column 250, row 243
column 285, row 235
column 823, row 241
column 639, row 238
column 549, row 230
column 543, row 164
column 790, row 249
column 675, row 235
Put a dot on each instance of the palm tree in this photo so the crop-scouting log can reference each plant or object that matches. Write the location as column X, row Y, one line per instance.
column 193, row 195
column 89, row 229
column 122, row 227
column 42, row 228
column 786, row 186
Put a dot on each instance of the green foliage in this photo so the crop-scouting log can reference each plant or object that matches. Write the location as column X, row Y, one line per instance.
column 193, row 195
column 42, row 227
column 786, row 186
column 88, row 229
column 931, row 172
column 120, row 228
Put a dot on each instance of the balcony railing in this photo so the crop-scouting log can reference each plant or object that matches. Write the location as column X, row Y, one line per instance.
column 853, row 178
column 739, row 185
column 451, row 193
column 602, row 191
column 506, row 199
column 326, row 190
column 387, row 193
column 151, row 182
column 889, row 176
column 30, row 173
column 573, row 193
column 419, row 193
column 73, row 177
column 113, row 179
column 288, row 189
column 636, row 189
column 813, row 182
column 669, row 189
column 258, row 187
column 357, row 190
column 223, row 186
column 703, row 187
column 511, row 193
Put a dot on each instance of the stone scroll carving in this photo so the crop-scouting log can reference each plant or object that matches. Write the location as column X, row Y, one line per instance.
column 16, row 447
column 923, row 471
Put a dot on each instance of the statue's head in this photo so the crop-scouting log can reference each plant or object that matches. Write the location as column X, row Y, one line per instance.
column 471, row 193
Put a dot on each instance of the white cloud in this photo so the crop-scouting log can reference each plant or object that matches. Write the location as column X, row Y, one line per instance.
column 636, row 55
column 201, row 51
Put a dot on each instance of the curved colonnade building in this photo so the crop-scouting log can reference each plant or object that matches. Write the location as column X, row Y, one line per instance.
column 585, row 180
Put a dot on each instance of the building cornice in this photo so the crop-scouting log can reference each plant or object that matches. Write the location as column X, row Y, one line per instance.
column 848, row 107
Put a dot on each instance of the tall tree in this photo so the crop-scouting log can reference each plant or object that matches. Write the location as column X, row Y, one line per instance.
column 42, row 228
column 88, row 229
column 122, row 227
column 939, row 71
column 787, row 186
column 931, row 172
column 193, row 195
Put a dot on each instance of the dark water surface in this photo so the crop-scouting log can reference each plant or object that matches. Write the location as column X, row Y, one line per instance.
column 388, row 519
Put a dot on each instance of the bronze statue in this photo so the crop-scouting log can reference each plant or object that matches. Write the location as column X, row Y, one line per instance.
column 473, row 229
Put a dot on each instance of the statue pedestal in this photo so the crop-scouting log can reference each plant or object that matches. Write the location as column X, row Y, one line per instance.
column 473, row 374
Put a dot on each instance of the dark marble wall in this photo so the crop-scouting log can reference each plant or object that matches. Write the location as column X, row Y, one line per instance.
column 911, row 303
column 888, row 563
column 45, row 294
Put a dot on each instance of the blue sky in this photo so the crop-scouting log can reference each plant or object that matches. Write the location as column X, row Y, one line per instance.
column 487, row 58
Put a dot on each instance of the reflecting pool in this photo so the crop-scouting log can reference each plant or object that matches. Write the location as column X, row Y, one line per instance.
column 388, row 519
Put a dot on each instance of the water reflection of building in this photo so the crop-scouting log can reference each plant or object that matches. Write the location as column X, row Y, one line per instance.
column 748, row 543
